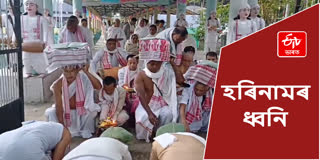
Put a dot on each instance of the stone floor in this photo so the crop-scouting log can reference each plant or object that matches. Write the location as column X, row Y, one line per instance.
column 140, row 150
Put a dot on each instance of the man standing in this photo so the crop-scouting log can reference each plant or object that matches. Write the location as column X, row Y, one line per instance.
column 73, row 32
column 155, row 86
column 34, row 140
column 129, row 27
column 117, row 33
column 109, row 57
column 84, row 23
column 175, row 36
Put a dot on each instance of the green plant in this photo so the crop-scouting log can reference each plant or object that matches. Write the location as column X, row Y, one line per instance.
column 200, row 31
column 223, row 13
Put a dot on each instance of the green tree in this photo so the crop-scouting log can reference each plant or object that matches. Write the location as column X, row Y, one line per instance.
column 223, row 13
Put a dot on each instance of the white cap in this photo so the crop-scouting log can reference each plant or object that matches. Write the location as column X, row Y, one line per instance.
column 255, row 6
column 30, row 1
column 244, row 6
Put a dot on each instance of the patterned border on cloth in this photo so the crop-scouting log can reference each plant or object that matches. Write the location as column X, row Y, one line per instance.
column 58, row 58
column 154, row 49
column 203, row 74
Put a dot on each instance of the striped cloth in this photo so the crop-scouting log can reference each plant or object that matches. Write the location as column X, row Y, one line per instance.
column 61, row 57
column 154, row 49
column 203, row 74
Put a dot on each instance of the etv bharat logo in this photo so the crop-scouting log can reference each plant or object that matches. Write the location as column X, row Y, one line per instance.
column 292, row 44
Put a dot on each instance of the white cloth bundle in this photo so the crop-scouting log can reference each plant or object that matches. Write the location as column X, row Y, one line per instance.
column 66, row 54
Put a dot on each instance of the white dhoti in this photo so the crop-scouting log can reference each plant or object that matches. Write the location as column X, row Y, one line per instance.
column 82, row 126
column 163, row 102
column 144, row 127
column 34, row 62
column 79, row 124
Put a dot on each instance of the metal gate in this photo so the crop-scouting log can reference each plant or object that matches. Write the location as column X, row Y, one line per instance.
column 11, row 77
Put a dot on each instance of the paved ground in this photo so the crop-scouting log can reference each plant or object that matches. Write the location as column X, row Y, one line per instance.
column 140, row 150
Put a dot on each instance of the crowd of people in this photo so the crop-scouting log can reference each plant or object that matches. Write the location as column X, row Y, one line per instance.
column 145, row 73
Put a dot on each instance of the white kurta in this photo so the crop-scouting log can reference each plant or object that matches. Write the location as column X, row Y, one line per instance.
column 195, row 125
column 97, row 64
column 163, row 89
column 212, row 36
column 102, row 148
column 260, row 23
column 241, row 29
column 80, row 125
column 117, row 32
column 34, row 62
column 31, row 141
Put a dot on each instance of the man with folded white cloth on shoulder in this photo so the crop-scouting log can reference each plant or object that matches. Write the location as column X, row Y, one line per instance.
column 109, row 57
column 180, row 145
column 156, row 88
column 74, row 101
column 72, row 32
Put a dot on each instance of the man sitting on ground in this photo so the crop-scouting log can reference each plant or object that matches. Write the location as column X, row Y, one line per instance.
column 126, row 77
column 109, row 57
column 111, row 100
column 195, row 104
column 156, row 88
column 74, row 101
column 35, row 140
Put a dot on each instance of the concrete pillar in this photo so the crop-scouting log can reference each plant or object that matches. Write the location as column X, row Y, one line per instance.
column 47, row 4
column 211, row 6
column 233, row 12
column 287, row 10
column 77, row 6
column 168, row 19
column 155, row 13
